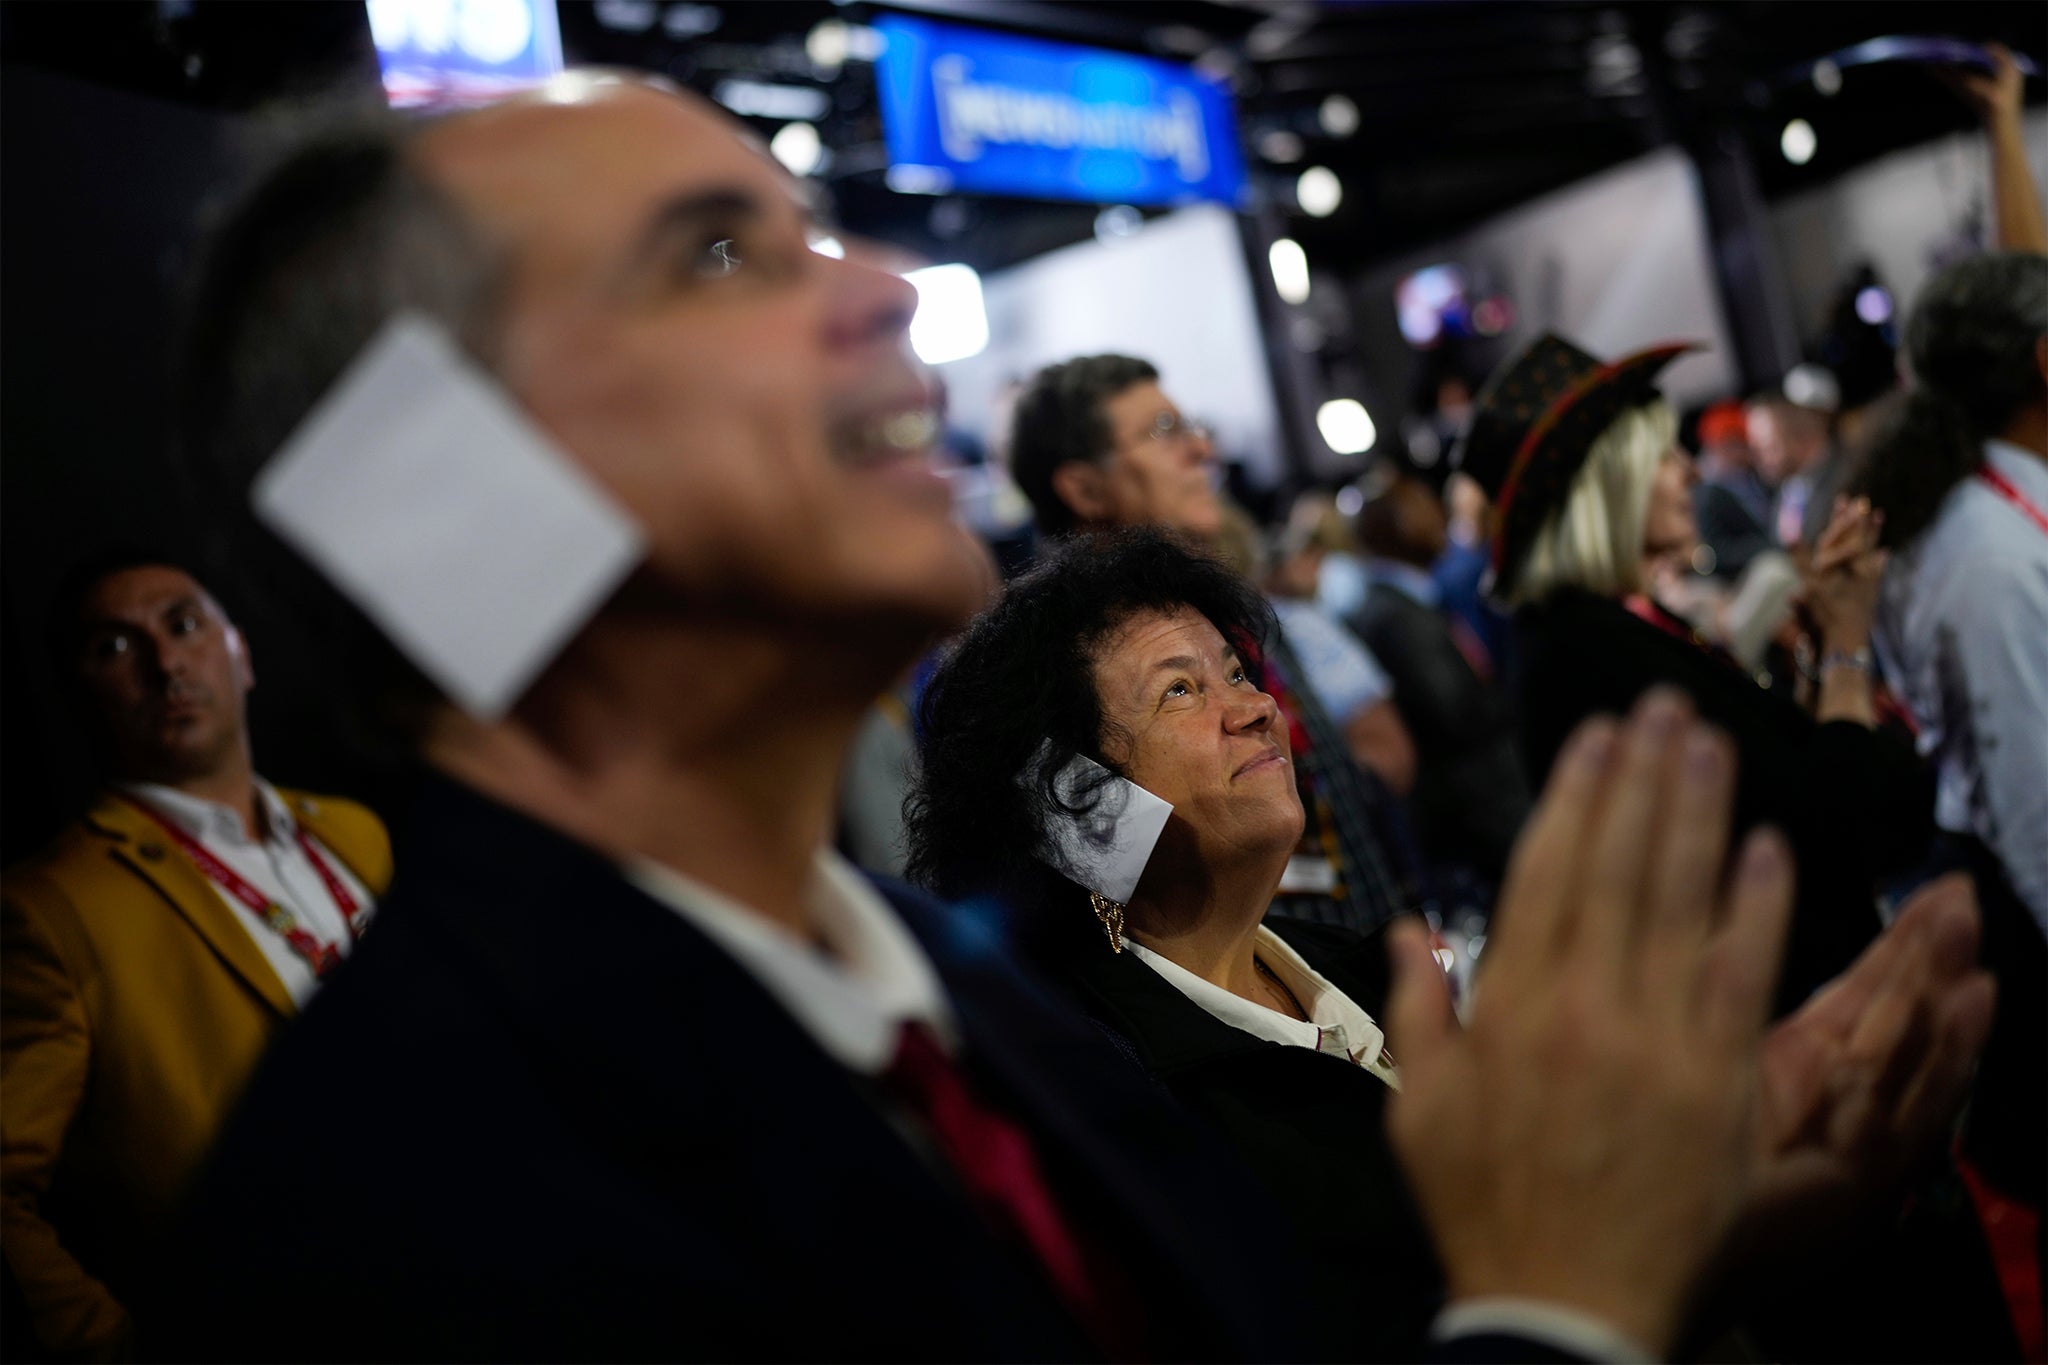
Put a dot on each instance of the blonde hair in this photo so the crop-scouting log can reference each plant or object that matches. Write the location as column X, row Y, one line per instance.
column 1595, row 540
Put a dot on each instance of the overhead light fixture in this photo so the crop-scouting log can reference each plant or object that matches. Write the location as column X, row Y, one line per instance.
column 909, row 178
column 826, row 44
column 1281, row 146
column 1338, row 115
column 690, row 21
column 1117, row 222
column 1290, row 269
column 766, row 99
column 951, row 322
column 1346, row 426
column 1798, row 142
column 1318, row 191
column 798, row 147
column 630, row 16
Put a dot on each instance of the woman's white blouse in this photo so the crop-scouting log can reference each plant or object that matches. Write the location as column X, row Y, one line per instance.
column 1335, row 1025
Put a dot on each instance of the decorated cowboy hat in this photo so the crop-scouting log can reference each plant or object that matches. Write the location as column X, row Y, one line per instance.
column 1533, row 425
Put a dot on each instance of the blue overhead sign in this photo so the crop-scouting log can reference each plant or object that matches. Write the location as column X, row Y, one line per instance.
column 973, row 110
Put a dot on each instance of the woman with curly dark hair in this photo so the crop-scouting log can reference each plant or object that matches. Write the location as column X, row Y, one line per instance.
column 1140, row 656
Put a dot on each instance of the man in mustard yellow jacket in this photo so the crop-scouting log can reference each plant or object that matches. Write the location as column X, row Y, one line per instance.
column 148, row 957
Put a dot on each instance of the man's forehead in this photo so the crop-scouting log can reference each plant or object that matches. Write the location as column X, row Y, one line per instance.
column 144, row 587
column 603, row 138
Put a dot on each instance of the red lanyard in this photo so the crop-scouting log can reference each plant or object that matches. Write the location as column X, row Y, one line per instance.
column 2002, row 486
column 321, row 957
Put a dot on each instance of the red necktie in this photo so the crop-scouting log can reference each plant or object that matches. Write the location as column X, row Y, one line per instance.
column 994, row 1159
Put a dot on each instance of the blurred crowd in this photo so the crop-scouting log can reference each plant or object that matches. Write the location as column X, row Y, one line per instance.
column 1575, row 891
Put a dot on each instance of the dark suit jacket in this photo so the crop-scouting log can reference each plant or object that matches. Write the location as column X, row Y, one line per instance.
column 538, row 1116
column 1470, row 795
column 1857, row 804
column 1311, row 1127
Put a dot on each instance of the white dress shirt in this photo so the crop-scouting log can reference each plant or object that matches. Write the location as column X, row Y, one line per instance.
column 275, row 865
column 1338, row 1027
column 1962, row 630
column 854, row 994
column 1335, row 1026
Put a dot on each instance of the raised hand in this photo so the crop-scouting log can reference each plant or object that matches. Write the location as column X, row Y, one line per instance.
column 1868, row 1075
column 1591, row 1136
column 1994, row 94
column 1842, row 580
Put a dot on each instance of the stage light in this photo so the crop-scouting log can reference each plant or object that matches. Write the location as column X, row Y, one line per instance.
column 827, row 46
column 1874, row 305
column 1827, row 77
column 1290, row 269
column 1281, row 147
column 766, row 99
column 951, row 322
column 1346, row 426
column 1319, row 192
column 914, row 179
column 1339, row 116
column 1798, row 142
column 1117, row 222
column 797, row 147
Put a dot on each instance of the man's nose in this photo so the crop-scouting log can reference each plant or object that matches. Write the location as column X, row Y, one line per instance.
column 159, row 658
column 870, row 304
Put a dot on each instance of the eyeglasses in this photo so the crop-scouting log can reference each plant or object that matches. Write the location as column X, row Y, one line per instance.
column 1169, row 426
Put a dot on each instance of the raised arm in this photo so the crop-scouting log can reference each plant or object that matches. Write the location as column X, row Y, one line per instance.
column 1998, row 99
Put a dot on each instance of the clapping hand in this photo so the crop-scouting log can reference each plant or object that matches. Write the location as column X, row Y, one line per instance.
column 1616, row 1110
column 1865, row 1078
column 1591, row 1136
column 1841, row 583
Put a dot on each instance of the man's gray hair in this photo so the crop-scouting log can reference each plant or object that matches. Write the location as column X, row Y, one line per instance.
column 339, row 235
column 1972, row 334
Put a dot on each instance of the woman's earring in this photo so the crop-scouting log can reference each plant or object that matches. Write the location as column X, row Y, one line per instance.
column 1111, row 913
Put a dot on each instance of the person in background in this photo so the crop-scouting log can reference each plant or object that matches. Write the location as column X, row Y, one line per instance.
column 1470, row 796
column 1962, row 630
column 1585, row 510
column 1134, row 652
column 151, row 954
column 1731, row 502
column 1788, row 429
column 1347, row 680
column 632, row 1071
column 1096, row 444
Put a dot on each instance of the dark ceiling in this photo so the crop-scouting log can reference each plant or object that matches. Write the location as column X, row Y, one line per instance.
column 1465, row 107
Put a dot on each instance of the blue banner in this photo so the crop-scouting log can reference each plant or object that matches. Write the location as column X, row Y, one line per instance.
column 987, row 112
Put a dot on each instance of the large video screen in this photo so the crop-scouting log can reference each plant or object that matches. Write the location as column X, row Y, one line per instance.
column 436, row 53
column 991, row 113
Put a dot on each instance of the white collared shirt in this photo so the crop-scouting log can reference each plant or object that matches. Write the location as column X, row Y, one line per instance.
column 853, row 996
column 275, row 865
column 854, row 999
column 1335, row 1026
column 1962, row 630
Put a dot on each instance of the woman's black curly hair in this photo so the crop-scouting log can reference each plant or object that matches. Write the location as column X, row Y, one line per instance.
column 1014, row 701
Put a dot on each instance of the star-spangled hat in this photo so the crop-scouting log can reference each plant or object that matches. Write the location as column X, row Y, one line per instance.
column 1533, row 424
